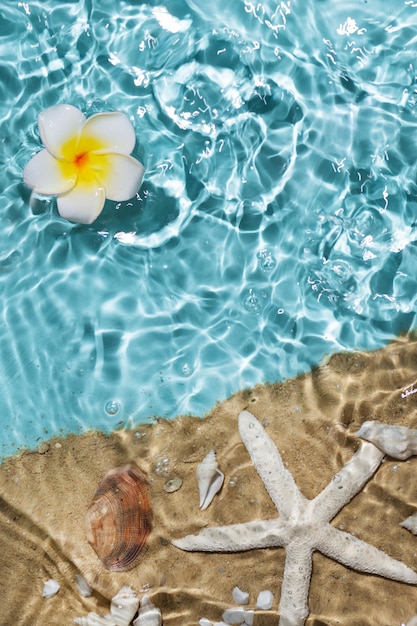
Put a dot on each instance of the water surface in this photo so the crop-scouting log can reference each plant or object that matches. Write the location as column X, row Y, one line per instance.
column 276, row 223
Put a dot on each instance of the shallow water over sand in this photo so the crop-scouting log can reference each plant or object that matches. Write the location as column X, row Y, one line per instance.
column 311, row 419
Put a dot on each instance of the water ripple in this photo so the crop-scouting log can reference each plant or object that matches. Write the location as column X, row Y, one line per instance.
column 276, row 222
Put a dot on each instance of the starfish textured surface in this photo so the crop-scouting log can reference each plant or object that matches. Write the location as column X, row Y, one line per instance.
column 303, row 525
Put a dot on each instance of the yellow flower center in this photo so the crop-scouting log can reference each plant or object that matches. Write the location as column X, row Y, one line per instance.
column 79, row 158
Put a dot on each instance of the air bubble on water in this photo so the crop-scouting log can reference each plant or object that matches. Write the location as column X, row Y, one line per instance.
column 162, row 467
column 112, row 407
column 186, row 370
column 252, row 302
column 267, row 261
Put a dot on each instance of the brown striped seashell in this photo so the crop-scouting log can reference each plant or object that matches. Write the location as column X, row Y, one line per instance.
column 118, row 520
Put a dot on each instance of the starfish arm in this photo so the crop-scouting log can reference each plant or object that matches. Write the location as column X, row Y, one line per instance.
column 361, row 556
column 347, row 482
column 293, row 607
column 267, row 460
column 236, row 537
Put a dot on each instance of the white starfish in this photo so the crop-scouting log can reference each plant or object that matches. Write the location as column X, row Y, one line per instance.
column 303, row 525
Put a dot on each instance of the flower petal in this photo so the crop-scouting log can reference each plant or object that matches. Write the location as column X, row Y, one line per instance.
column 109, row 132
column 48, row 176
column 60, row 128
column 120, row 174
column 82, row 204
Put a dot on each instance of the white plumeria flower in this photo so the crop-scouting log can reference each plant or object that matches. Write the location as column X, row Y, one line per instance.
column 84, row 161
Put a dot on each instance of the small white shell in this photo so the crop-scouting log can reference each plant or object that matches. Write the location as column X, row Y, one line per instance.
column 239, row 596
column 399, row 442
column 83, row 586
column 173, row 484
column 249, row 615
column 148, row 614
column 265, row 600
column 234, row 615
column 413, row 621
column 410, row 523
column 124, row 606
column 92, row 619
column 50, row 588
column 204, row 622
column 210, row 479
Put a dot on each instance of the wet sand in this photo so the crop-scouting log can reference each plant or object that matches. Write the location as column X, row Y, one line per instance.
column 312, row 420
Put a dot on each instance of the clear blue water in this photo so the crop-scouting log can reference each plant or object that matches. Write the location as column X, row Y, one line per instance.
column 276, row 223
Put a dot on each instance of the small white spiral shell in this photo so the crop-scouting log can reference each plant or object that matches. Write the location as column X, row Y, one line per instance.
column 210, row 479
column 124, row 606
column 148, row 614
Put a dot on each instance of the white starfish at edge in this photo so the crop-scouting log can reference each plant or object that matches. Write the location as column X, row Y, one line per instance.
column 303, row 525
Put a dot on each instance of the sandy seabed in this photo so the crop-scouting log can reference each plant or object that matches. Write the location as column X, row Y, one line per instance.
column 312, row 419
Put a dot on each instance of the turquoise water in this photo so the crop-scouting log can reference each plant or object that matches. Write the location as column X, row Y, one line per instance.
column 277, row 219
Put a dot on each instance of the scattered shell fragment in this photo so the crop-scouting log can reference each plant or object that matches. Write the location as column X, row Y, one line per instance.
column 148, row 614
column 410, row 523
column 234, row 615
column 204, row 622
column 249, row 615
column 118, row 520
column 265, row 600
column 173, row 484
column 398, row 442
column 124, row 606
column 83, row 586
column 210, row 479
column 239, row 596
column 50, row 588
